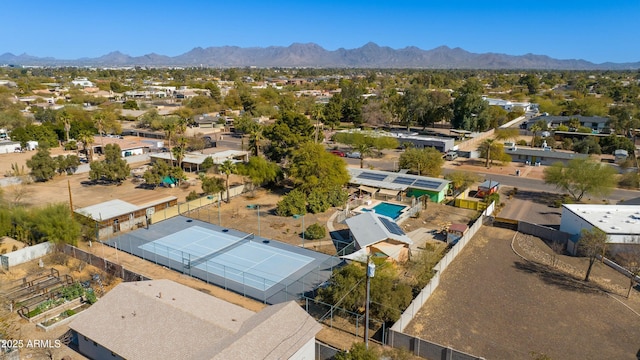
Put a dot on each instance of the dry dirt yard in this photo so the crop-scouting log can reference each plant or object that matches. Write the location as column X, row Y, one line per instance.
column 493, row 303
column 24, row 330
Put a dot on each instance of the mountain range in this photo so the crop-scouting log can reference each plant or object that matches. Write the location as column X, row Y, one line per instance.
column 312, row 55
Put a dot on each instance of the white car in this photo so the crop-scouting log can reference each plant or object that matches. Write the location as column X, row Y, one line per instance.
column 353, row 155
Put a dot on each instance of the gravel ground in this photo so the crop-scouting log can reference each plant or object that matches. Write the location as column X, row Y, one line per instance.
column 493, row 303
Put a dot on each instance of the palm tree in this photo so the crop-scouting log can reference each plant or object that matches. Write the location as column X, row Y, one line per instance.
column 365, row 150
column 65, row 119
column 169, row 130
column 87, row 140
column 317, row 113
column 255, row 138
column 99, row 122
column 179, row 150
column 227, row 168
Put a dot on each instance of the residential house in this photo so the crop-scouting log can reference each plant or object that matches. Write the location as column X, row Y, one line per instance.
column 82, row 82
column 161, row 319
column 387, row 184
column 113, row 216
column 379, row 236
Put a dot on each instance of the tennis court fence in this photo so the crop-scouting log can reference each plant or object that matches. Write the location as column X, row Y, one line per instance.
column 228, row 277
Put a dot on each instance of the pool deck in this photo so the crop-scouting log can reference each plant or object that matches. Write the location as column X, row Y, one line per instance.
column 373, row 203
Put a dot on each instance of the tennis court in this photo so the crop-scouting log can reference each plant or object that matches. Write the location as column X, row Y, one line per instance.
column 260, row 268
column 238, row 259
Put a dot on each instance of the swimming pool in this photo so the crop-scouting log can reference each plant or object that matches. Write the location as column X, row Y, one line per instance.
column 387, row 209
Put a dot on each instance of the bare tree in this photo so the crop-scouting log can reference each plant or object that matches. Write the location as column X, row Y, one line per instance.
column 591, row 244
column 557, row 248
column 630, row 259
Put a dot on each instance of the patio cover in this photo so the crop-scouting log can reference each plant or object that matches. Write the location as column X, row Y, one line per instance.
column 391, row 250
column 389, row 192
column 369, row 189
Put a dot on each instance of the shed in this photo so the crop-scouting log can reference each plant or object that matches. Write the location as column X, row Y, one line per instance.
column 487, row 188
column 455, row 232
column 7, row 147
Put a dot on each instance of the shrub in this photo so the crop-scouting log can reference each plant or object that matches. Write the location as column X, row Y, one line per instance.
column 493, row 197
column 522, row 142
column 295, row 202
column 192, row 195
column 315, row 231
column 629, row 180
column 90, row 295
column 71, row 145
column 318, row 201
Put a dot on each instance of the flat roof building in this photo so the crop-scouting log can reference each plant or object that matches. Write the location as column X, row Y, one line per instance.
column 621, row 223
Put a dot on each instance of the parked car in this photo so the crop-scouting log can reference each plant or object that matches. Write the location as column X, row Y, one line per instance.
column 338, row 152
column 451, row 155
column 353, row 155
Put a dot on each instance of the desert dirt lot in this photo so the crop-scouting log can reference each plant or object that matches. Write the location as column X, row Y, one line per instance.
column 495, row 304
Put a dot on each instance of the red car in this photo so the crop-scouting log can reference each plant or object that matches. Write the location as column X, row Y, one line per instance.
column 338, row 152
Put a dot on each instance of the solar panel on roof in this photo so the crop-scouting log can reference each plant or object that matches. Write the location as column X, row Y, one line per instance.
column 391, row 226
column 403, row 180
column 372, row 176
column 427, row 184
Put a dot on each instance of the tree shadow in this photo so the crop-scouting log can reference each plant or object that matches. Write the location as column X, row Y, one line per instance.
column 558, row 278
column 538, row 197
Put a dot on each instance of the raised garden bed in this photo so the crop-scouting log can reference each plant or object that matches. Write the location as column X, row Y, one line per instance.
column 62, row 318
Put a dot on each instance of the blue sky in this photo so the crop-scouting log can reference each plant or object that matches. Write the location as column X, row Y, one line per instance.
column 597, row 31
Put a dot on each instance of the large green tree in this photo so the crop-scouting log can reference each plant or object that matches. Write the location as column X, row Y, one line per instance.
column 113, row 168
column 470, row 111
column 389, row 297
column 427, row 161
column 289, row 131
column 491, row 151
column 43, row 166
column 259, row 170
column 581, row 176
column 313, row 167
column 212, row 185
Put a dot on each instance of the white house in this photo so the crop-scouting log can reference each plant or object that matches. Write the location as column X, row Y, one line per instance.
column 161, row 319
column 83, row 82
column 621, row 223
column 8, row 146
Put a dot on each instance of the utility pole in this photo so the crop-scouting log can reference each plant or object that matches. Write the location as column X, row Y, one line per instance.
column 371, row 269
column 70, row 198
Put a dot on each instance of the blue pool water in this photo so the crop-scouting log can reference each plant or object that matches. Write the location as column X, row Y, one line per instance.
column 387, row 209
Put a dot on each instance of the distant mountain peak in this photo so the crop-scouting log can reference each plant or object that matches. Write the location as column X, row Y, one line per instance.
column 370, row 55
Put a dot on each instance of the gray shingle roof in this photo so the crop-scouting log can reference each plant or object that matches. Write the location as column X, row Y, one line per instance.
column 367, row 229
column 141, row 320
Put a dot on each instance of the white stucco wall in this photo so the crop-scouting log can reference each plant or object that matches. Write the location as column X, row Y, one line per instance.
column 306, row 351
column 572, row 223
column 25, row 254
